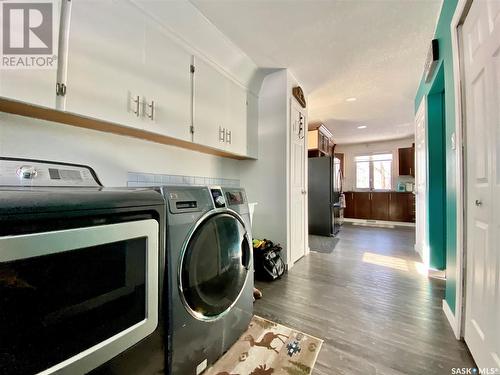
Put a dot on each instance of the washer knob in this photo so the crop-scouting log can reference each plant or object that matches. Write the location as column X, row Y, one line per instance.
column 26, row 172
column 219, row 201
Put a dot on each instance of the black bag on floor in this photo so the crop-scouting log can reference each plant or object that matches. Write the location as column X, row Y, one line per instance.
column 268, row 263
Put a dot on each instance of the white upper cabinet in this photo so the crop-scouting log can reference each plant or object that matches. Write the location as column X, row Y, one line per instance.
column 166, row 80
column 106, row 62
column 211, row 96
column 220, row 110
column 32, row 85
column 252, row 126
column 123, row 62
column 236, row 142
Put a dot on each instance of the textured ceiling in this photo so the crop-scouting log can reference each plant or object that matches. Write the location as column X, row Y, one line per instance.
column 373, row 50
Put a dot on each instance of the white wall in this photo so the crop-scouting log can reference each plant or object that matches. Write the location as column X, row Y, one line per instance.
column 265, row 179
column 112, row 156
column 352, row 150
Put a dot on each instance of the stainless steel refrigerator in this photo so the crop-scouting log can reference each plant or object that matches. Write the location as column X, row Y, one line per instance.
column 325, row 189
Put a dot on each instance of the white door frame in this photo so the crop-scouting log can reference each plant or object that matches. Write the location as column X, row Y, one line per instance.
column 295, row 105
column 457, row 322
column 422, row 234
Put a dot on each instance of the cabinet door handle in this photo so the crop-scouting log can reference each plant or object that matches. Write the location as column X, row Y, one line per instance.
column 151, row 114
column 222, row 134
column 229, row 136
column 137, row 102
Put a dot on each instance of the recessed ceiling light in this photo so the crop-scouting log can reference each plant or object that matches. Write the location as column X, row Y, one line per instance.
column 352, row 99
column 362, row 127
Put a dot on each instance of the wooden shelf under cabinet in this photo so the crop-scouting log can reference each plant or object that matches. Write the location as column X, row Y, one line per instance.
column 65, row 118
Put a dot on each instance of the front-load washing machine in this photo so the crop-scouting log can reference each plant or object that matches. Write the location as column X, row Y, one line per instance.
column 209, row 255
column 236, row 200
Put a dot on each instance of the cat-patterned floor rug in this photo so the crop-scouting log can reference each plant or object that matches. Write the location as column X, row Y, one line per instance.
column 269, row 348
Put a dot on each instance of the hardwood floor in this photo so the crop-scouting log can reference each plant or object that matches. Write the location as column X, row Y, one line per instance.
column 376, row 313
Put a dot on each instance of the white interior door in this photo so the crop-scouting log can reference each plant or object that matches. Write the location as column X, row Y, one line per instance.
column 481, row 68
column 421, row 245
column 297, row 243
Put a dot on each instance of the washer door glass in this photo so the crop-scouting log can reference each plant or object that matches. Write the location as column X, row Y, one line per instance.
column 215, row 265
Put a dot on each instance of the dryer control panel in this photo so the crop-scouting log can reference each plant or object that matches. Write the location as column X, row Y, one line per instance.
column 218, row 197
column 26, row 172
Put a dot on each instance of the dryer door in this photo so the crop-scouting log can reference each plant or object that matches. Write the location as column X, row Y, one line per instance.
column 214, row 265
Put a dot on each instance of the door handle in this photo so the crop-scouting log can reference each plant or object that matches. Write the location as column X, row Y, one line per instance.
column 151, row 114
column 222, row 134
column 245, row 254
column 137, row 102
column 478, row 203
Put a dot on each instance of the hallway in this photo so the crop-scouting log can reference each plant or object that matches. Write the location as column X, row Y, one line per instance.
column 376, row 313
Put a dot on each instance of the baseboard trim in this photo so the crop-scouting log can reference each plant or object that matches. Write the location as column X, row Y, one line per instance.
column 384, row 222
column 451, row 319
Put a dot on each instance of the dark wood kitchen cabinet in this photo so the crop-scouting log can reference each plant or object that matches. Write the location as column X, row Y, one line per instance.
column 379, row 203
column 398, row 207
column 362, row 206
column 411, row 207
column 387, row 206
column 406, row 157
column 349, row 204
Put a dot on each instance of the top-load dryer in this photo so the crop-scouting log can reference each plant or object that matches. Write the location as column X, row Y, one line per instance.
column 209, row 255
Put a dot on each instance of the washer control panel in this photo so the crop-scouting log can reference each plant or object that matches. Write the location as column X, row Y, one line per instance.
column 23, row 172
column 218, row 197
column 236, row 197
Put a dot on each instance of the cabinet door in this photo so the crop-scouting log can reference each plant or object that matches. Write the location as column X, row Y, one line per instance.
column 237, row 120
column 166, row 85
column 398, row 207
column 380, row 206
column 406, row 160
column 105, row 61
column 323, row 143
column 211, row 91
column 362, row 203
column 34, row 86
column 411, row 207
column 412, row 161
column 349, row 205
column 252, row 125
